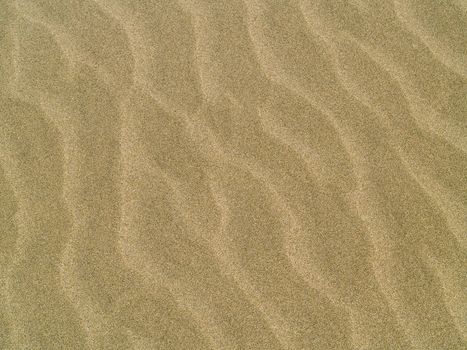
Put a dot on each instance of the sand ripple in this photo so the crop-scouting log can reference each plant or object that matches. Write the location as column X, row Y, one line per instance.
column 236, row 174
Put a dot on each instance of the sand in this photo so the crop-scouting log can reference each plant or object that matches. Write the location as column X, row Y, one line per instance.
column 233, row 174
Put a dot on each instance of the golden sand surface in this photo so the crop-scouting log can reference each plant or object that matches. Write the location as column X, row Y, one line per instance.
column 233, row 174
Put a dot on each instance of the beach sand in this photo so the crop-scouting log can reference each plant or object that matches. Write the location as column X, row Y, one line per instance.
column 233, row 174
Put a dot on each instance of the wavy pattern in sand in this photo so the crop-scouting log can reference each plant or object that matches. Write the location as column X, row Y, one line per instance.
column 256, row 174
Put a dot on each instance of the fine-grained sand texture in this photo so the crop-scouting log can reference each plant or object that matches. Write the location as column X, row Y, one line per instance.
column 233, row 174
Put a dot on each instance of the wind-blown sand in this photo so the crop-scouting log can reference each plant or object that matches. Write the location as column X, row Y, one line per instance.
column 233, row 174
